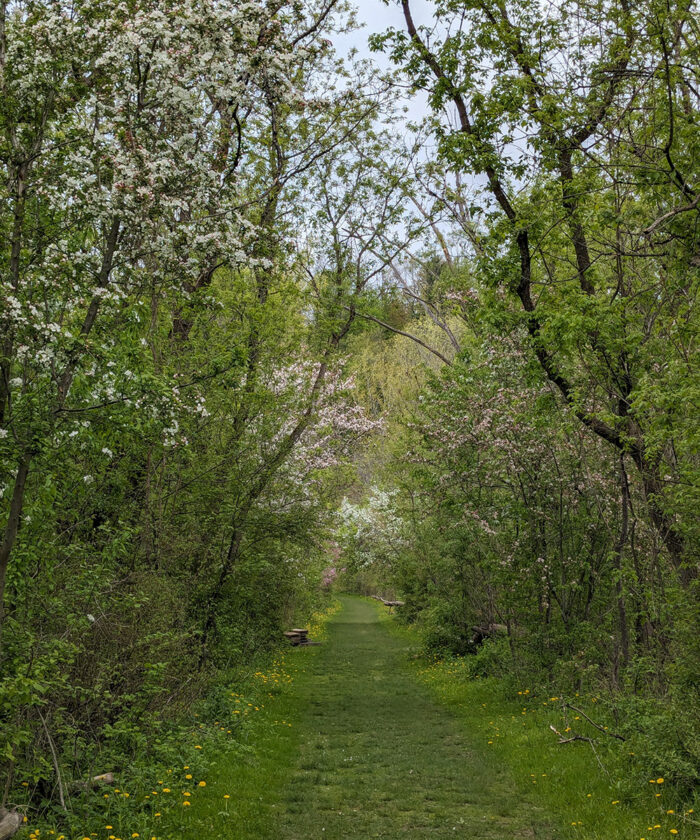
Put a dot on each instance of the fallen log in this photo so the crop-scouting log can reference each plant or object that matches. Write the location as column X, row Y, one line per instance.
column 10, row 823
column 488, row 631
column 94, row 781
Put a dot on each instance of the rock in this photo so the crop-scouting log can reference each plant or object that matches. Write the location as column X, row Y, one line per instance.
column 10, row 823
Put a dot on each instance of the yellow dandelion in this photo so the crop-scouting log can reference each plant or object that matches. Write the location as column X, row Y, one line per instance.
column 202, row 784
column 188, row 776
column 186, row 803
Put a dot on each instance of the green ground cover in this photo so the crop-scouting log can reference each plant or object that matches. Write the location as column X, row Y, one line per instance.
column 599, row 791
column 380, row 757
column 360, row 738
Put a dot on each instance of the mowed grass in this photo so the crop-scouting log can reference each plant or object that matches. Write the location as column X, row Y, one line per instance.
column 364, row 740
column 244, row 783
column 380, row 757
column 598, row 793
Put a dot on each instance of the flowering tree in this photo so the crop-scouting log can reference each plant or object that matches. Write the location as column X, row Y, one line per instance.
column 541, row 109
column 171, row 388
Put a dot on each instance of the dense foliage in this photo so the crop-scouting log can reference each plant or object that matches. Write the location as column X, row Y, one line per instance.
column 174, row 417
column 224, row 270
column 537, row 503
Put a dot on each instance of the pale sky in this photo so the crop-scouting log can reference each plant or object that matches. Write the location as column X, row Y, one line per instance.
column 378, row 17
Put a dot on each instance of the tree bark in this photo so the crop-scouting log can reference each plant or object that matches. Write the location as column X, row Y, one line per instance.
column 10, row 535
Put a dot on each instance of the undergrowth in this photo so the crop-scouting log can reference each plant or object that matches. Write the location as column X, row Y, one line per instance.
column 177, row 785
column 570, row 747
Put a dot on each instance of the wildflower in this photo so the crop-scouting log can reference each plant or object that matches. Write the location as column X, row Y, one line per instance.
column 197, row 747
column 202, row 784
column 226, row 796
column 166, row 790
column 186, row 803
column 157, row 814
column 660, row 780
column 188, row 776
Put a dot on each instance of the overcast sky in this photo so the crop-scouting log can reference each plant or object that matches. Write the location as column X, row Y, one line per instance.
column 378, row 17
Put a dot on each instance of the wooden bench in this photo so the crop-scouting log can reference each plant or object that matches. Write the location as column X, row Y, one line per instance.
column 298, row 637
column 392, row 604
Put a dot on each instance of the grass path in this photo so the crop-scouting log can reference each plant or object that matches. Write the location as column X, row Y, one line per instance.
column 378, row 757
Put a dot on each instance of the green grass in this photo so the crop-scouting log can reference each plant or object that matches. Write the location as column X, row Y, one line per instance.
column 379, row 757
column 360, row 738
column 369, row 753
column 598, row 793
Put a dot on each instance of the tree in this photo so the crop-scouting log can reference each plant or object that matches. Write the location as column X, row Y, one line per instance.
column 591, row 217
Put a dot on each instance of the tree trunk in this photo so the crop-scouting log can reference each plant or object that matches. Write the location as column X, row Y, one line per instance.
column 10, row 535
column 619, row 548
